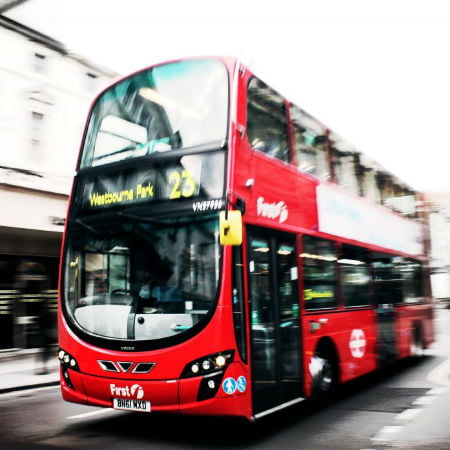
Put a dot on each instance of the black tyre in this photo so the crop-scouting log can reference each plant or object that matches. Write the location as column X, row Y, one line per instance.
column 416, row 343
column 324, row 373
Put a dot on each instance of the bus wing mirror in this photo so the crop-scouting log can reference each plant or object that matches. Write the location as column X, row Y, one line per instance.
column 230, row 224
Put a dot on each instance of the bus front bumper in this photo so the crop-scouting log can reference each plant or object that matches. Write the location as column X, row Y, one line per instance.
column 221, row 396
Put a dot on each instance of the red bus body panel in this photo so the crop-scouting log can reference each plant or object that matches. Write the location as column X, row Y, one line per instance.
column 258, row 180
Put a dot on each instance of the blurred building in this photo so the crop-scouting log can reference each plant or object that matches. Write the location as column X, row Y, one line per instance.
column 45, row 94
column 439, row 206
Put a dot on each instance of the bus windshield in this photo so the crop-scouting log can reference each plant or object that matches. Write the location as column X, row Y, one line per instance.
column 177, row 105
column 137, row 279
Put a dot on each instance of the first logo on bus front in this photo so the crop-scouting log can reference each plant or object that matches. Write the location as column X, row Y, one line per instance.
column 135, row 391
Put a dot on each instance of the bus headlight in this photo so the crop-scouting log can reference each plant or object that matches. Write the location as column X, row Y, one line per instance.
column 208, row 364
column 67, row 360
column 220, row 361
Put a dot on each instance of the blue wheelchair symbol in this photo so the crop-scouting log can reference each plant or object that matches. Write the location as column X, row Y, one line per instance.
column 241, row 384
column 229, row 386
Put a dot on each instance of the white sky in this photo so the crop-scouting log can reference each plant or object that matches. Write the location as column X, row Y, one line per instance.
column 375, row 71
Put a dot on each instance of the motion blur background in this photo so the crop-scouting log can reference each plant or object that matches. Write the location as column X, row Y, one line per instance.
column 374, row 71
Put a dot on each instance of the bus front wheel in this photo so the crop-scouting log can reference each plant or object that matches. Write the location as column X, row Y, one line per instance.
column 323, row 369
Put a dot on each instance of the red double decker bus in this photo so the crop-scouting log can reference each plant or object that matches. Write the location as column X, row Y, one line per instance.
column 225, row 253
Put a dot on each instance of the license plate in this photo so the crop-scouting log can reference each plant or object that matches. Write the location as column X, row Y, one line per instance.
column 128, row 404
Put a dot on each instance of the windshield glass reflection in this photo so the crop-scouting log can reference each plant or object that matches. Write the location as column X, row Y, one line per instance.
column 172, row 106
column 142, row 280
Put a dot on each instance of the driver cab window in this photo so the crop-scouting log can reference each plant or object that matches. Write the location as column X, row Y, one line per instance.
column 106, row 273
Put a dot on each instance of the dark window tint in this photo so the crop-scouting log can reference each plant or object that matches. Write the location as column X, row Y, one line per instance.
column 355, row 276
column 319, row 272
column 386, row 286
column 397, row 279
column 410, row 272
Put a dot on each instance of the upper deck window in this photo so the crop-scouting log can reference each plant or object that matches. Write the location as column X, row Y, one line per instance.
column 177, row 105
column 310, row 144
column 266, row 120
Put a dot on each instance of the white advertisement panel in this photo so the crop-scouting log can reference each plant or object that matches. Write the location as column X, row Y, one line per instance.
column 344, row 215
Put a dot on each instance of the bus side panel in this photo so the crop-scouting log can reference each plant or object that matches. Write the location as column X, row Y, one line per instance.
column 274, row 202
column 408, row 318
column 350, row 334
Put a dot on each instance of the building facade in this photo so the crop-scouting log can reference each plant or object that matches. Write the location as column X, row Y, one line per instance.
column 440, row 246
column 45, row 94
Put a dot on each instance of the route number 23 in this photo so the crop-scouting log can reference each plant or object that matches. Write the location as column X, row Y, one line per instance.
column 183, row 184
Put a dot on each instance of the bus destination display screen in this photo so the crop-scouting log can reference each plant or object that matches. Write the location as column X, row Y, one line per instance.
column 190, row 177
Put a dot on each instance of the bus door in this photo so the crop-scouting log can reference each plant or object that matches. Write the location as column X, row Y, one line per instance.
column 275, row 322
column 385, row 295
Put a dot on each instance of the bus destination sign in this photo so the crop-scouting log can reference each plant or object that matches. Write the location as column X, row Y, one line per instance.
column 192, row 176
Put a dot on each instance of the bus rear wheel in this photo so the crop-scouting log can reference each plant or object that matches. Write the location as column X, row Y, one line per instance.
column 416, row 342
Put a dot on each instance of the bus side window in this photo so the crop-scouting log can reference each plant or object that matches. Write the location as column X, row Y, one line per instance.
column 310, row 144
column 412, row 275
column 267, row 128
column 319, row 272
column 410, row 280
column 356, row 277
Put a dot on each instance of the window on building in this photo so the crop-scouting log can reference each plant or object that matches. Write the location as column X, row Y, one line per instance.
column 90, row 81
column 39, row 63
column 310, row 144
column 355, row 275
column 37, row 125
column 319, row 273
column 267, row 129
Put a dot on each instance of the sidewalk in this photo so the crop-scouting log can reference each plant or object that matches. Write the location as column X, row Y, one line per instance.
column 18, row 370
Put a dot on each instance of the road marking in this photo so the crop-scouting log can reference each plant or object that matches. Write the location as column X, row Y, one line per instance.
column 408, row 414
column 437, row 374
column 385, row 434
column 92, row 413
column 440, row 374
column 437, row 391
column 425, row 400
column 28, row 391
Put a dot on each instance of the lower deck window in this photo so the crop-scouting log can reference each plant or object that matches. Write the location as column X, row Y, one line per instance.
column 319, row 271
column 355, row 276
